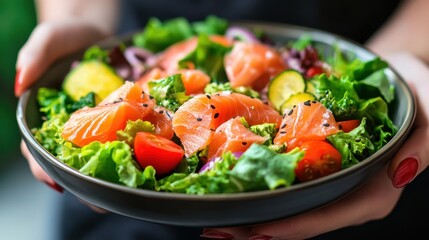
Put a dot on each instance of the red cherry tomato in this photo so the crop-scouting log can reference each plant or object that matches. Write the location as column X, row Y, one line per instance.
column 157, row 151
column 320, row 159
column 313, row 71
column 348, row 125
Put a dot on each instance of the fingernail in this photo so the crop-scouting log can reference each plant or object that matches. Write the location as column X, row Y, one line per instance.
column 55, row 186
column 260, row 237
column 216, row 235
column 17, row 82
column 405, row 172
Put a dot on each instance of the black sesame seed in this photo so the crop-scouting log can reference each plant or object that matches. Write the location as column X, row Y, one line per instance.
column 290, row 112
column 212, row 106
column 294, row 106
column 150, row 96
column 208, row 96
column 161, row 111
column 326, row 124
column 244, row 143
column 168, row 114
column 284, row 115
column 307, row 103
column 199, row 119
column 216, row 115
column 282, row 132
column 284, row 125
column 314, row 101
column 145, row 105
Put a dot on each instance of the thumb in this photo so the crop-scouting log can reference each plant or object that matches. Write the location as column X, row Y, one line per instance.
column 48, row 42
column 412, row 158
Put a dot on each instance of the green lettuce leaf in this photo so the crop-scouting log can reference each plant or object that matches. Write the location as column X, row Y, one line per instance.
column 132, row 128
column 158, row 35
column 169, row 92
column 111, row 161
column 261, row 168
column 208, row 57
column 353, row 146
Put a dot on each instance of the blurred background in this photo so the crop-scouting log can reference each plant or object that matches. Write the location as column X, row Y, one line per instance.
column 24, row 201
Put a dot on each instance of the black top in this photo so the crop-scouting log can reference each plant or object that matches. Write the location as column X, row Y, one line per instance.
column 356, row 20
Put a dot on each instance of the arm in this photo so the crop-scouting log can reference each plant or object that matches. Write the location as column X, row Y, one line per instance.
column 101, row 14
column 407, row 30
column 64, row 27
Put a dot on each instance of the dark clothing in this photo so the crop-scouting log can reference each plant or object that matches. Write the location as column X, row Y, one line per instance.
column 355, row 20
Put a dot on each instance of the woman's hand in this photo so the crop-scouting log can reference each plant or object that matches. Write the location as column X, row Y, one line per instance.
column 48, row 42
column 376, row 199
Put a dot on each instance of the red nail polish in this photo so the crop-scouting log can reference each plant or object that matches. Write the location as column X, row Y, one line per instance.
column 55, row 186
column 260, row 237
column 17, row 82
column 405, row 172
column 216, row 235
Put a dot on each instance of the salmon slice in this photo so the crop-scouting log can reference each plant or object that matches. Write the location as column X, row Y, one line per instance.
column 306, row 121
column 197, row 119
column 101, row 122
column 232, row 136
column 252, row 65
column 170, row 57
column 194, row 80
column 129, row 92
column 162, row 119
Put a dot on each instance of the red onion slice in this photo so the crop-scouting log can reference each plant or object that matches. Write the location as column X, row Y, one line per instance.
column 241, row 34
column 137, row 56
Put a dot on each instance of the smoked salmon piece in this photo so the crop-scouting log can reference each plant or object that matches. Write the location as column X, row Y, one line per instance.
column 170, row 57
column 252, row 65
column 162, row 119
column 309, row 120
column 197, row 119
column 194, row 80
column 101, row 122
column 232, row 136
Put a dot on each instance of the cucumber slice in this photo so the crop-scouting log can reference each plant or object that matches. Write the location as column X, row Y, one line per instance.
column 284, row 85
column 91, row 76
column 294, row 100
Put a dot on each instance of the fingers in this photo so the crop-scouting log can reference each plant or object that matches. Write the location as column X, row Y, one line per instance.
column 94, row 208
column 37, row 170
column 351, row 210
column 48, row 42
column 413, row 156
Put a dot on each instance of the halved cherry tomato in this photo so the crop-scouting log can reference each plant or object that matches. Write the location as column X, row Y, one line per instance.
column 320, row 159
column 157, row 151
column 313, row 71
column 348, row 125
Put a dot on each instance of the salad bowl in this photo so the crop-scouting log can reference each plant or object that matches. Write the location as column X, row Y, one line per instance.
column 219, row 210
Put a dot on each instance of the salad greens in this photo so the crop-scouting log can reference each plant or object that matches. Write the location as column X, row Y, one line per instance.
column 350, row 88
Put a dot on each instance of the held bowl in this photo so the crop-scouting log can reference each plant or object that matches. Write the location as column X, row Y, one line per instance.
column 218, row 210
